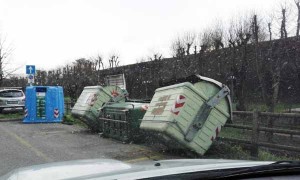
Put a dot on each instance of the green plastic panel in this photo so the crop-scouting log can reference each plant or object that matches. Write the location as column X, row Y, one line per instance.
column 121, row 121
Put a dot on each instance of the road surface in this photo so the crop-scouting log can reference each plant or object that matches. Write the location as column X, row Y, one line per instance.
column 30, row 144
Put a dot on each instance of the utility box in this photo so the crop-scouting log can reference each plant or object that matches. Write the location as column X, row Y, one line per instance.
column 189, row 114
column 44, row 104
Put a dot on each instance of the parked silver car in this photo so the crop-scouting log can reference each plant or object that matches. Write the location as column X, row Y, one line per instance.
column 11, row 99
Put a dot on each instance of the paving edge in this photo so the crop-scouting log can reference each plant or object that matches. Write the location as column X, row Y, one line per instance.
column 8, row 120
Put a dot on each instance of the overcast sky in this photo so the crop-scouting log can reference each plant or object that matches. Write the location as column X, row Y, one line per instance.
column 52, row 33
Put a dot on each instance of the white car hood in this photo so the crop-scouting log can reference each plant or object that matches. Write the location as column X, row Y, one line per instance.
column 113, row 169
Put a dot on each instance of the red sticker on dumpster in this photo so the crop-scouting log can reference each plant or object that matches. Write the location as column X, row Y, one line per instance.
column 180, row 101
column 160, row 106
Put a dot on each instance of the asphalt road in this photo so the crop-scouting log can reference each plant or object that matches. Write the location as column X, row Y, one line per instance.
column 30, row 144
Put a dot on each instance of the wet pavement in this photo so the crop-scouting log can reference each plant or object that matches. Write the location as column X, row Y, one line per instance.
column 30, row 144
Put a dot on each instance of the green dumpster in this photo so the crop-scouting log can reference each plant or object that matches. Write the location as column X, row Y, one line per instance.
column 85, row 100
column 121, row 120
column 189, row 114
column 92, row 98
column 106, row 94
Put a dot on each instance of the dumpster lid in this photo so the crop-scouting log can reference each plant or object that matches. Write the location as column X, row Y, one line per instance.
column 221, row 86
column 192, row 79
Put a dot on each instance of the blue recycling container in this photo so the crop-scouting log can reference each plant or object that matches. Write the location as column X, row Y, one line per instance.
column 44, row 104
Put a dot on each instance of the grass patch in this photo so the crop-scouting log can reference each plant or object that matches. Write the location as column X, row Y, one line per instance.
column 67, row 99
column 223, row 149
column 16, row 115
column 226, row 150
column 70, row 120
column 264, row 155
column 234, row 133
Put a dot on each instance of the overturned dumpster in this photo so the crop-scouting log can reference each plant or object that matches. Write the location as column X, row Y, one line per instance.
column 189, row 114
column 107, row 94
column 92, row 98
column 85, row 100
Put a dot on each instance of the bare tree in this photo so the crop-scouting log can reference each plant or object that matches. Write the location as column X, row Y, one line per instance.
column 156, row 57
column 217, row 36
column 270, row 69
column 260, row 65
column 205, row 40
column 97, row 63
column 231, row 35
column 270, row 31
column 283, row 31
column 177, row 46
column 188, row 40
column 266, row 21
column 5, row 52
column 243, row 31
column 40, row 77
column 113, row 60
column 182, row 45
column 238, row 37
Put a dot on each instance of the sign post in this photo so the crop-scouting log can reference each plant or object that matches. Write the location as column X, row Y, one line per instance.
column 30, row 71
column 30, row 79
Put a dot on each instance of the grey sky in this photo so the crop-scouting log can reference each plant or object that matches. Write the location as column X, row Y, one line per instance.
column 52, row 33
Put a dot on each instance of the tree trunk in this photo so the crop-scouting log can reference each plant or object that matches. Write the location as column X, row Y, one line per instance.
column 298, row 20
column 270, row 31
column 242, row 78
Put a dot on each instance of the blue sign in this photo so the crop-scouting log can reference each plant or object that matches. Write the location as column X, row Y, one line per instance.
column 30, row 76
column 30, row 69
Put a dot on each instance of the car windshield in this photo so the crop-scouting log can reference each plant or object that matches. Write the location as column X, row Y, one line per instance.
column 11, row 93
column 147, row 80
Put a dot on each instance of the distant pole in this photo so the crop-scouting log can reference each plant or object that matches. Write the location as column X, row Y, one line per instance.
column 232, row 78
column 232, row 90
column 146, row 86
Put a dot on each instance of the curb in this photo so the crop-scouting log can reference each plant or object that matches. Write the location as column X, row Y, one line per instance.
column 8, row 120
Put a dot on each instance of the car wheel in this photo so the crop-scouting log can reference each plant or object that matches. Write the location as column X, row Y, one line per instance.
column 1, row 110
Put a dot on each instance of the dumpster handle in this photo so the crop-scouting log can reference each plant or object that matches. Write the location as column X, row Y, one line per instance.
column 132, row 105
column 203, row 113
